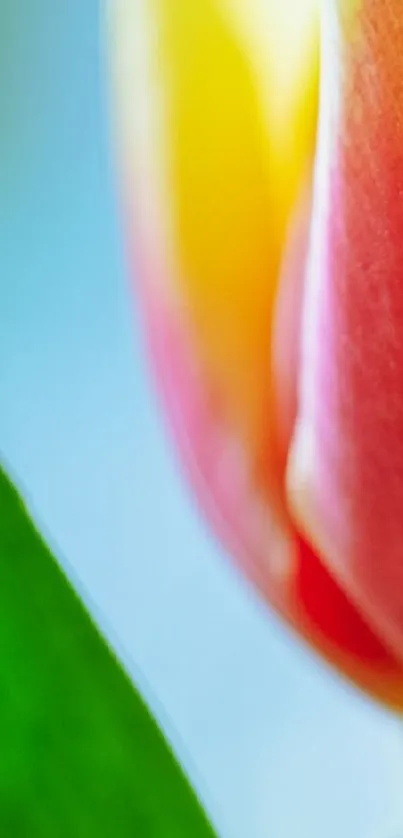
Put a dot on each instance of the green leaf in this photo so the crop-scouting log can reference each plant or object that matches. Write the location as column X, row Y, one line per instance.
column 80, row 755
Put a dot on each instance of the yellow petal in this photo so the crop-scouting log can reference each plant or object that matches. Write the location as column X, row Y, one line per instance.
column 225, row 139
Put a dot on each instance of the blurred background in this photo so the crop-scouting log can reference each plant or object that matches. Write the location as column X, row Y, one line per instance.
column 273, row 743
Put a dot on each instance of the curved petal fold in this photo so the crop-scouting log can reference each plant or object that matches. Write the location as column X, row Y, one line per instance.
column 346, row 468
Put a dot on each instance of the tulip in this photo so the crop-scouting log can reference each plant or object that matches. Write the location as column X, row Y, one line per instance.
column 260, row 146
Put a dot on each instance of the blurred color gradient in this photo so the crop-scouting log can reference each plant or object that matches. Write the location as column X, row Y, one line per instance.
column 275, row 745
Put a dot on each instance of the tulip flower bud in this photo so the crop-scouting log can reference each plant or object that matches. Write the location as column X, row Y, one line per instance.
column 259, row 152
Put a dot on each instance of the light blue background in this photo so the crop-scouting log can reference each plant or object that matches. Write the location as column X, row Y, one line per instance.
column 276, row 746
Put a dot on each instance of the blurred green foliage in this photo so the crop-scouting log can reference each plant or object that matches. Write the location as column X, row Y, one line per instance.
column 80, row 755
